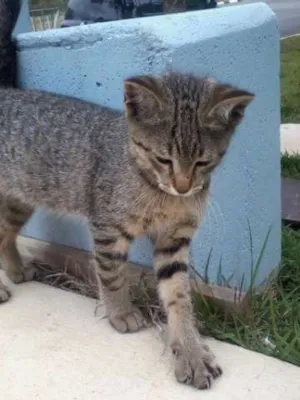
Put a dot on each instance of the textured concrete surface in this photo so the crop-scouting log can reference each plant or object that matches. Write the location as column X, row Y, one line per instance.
column 290, row 138
column 239, row 45
column 53, row 347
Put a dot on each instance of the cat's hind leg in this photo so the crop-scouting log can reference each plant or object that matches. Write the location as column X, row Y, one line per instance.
column 13, row 216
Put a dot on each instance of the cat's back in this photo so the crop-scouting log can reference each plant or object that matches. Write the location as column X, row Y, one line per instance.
column 53, row 142
column 29, row 105
column 28, row 117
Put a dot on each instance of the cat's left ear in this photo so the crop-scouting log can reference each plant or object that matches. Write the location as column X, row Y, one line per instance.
column 230, row 104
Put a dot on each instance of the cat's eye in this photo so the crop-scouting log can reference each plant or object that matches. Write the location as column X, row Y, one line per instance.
column 203, row 163
column 164, row 161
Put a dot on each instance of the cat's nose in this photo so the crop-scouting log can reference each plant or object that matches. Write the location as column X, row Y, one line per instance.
column 182, row 183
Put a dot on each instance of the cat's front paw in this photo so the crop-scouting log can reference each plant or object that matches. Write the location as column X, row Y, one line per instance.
column 195, row 364
column 4, row 293
column 23, row 275
column 130, row 321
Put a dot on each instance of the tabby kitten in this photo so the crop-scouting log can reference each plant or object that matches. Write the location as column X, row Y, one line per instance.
column 145, row 172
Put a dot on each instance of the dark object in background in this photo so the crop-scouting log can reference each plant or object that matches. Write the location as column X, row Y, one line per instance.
column 290, row 200
column 8, row 51
column 92, row 11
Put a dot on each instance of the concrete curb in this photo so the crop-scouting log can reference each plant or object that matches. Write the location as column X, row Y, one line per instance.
column 223, row 3
column 53, row 347
column 290, row 138
column 290, row 36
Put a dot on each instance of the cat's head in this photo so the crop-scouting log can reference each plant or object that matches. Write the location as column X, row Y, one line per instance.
column 180, row 127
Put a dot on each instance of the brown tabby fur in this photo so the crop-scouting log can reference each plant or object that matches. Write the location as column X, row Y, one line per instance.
column 146, row 172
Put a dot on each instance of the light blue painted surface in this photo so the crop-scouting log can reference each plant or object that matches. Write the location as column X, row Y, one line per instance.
column 23, row 24
column 236, row 44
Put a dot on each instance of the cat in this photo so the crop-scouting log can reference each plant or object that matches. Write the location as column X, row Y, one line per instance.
column 146, row 171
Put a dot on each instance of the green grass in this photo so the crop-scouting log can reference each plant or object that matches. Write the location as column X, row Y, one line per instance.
column 290, row 80
column 272, row 323
column 290, row 166
column 47, row 3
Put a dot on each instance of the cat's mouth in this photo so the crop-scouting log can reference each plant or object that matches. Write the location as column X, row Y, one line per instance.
column 172, row 191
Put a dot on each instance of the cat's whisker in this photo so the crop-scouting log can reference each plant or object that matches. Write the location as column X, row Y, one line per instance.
column 169, row 190
column 206, row 238
column 219, row 212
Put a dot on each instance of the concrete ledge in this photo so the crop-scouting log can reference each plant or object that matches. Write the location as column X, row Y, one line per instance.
column 53, row 346
column 290, row 138
column 85, row 62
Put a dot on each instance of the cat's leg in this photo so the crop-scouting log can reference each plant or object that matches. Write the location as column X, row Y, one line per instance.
column 4, row 293
column 195, row 363
column 111, row 250
column 13, row 215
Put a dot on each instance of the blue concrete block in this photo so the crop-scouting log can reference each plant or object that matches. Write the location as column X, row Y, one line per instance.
column 239, row 45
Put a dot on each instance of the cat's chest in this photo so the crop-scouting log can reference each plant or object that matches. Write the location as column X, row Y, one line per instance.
column 156, row 216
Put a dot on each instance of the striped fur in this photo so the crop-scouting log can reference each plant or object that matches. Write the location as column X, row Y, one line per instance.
column 143, row 173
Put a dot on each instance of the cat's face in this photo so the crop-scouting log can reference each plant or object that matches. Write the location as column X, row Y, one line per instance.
column 181, row 127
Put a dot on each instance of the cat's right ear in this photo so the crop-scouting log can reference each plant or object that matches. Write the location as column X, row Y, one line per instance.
column 142, row 99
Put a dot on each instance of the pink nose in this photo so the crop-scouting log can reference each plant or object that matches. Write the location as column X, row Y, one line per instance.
column 182, row 183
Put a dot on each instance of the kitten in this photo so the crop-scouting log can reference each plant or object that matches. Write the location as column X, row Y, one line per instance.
column 145, row 172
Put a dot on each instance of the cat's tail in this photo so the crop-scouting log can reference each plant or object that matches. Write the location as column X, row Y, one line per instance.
column 9, row 12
